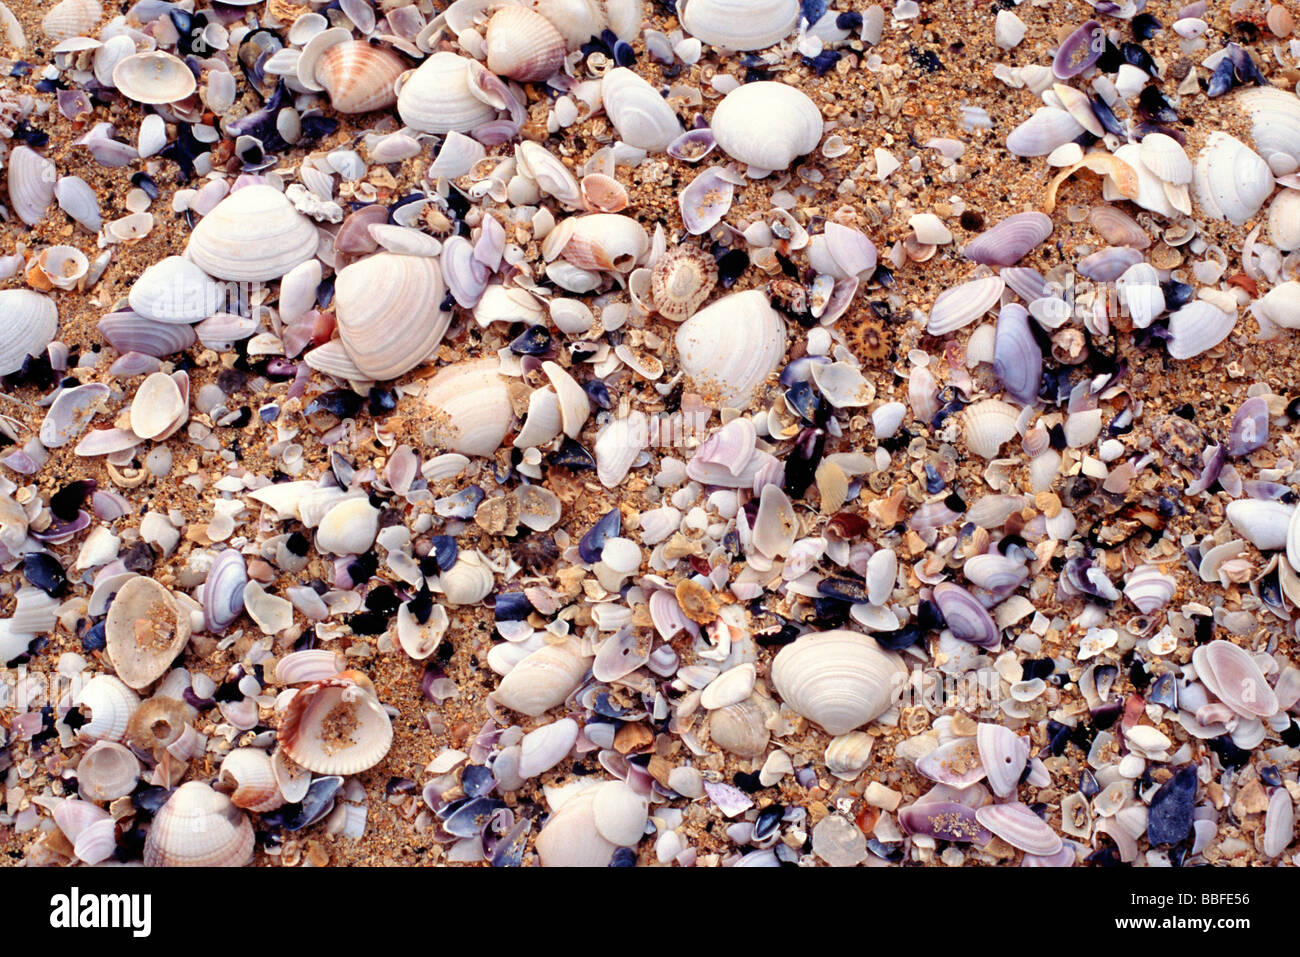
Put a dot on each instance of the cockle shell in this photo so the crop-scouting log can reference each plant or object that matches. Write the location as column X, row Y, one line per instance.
column 577, row 20
column 987, row 425
column 1165, row 158
column 109, row 705
column 153, row 77
column 606, row 242
column 839, row 680
column 733, row 345
column 253, row 235
column 739, row 24
column 523, row 45
column 250, row 778
column 28, row 323
column 336, row 726
column 767, row 125
column 31, row 179
column 442, row 96
column 1230, row 180
column 359, row 76
column 1010, row 240
column 467, row 582
column 469, row 407
column 390, row 315
column 199, row 827
column 145, row 630
column 740, row 728
column 1149, row 589
column 71, row 18
column 175, row 290
column 963, row 304
column 543, row 679
column 642, row 117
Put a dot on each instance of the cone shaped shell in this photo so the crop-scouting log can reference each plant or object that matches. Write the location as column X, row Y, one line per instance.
column 390, row 314
column 359, row 76
column 838, row 679
column 252, row 235
column 199, row 827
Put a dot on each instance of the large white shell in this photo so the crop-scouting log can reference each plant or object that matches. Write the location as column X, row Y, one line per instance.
column 604, row 242
column 1230, row 180
column 469, row 407
column 739, row 24
column 440, row 96
column 1275, row 125
column 1197, row 327
column 199, row 827
column 31, row 184
column 963, row 304
column 390, row 314
column 1284, row 220
column 175, row 290
column 570, row 838
column 28, row 323
column 577, row 20
column 619, row 813
column 542, row 680
column 642, row 117
column 336, row 726
column 767, row 124
column 252, row 235
column 145, row 630
column 731, row 346
column 838, row 679
column 1165, row 158
column 1281, row 304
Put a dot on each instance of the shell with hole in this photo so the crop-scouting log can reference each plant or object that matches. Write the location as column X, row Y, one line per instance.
column 253, row 235
column 336, row 726
column 199, row 827
column 767, row 125
column 839, row 680
column 106, row 706
column 146, row 629
column 469, row 407
column 390, row 315
column 604, row 242
column 732, row 346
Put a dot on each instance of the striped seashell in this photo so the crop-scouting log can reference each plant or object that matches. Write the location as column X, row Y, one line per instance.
column 469, row 406
column 961, row 305
column 1043, row 132
column 31, row 180
column 441, row 96
column 741, row 25
column 732, row 345
column 1020, row 827
column 109, row 705
column 390, row 316
column 359, row 76
column 199, row 827
column 253, row 235
column 1230, row 181
column 307, row 729
column 28, row 323
column 838, row 679
column 523, row 45
column 642, row 117
column 1149, row 589
column 1009, row 241
column 767, row 125
column 1198, row 327
column 71, row 18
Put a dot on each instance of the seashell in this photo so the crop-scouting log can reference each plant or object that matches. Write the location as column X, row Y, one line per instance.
column 966, row 617
column 1117, row 227
column 1198, row 327
column 523, row 45
column 1164, row 157
column 606, row 241
column 1009, row 241
column 1020, row 827
column 767, row 125
column 1017, row 359
column 681, row 281
column 1280, row 305
column 839, row 680
column 1284, row 220
column 740, row 728
column 842, row 384
column 145, row 630
column 549, row 172
column 153, row 78
column 641, row 116
column 1249, row 427
column 882, row 573
column 1048, row 128
column 577, row 20
column 442, row 96
column 156, row 407
column 63, row 267
column 28, row 324
column 175, row 290
column 106, row 772
column 956, row 764
column 961, row 305
column 1108, row 264
column 248, row 775
column 943, row 820
column 1230, row 181
column 603, row 194
column 543, row 748
column 1232, row 676
column 542, row 680
column 223, row 590
column 420, row 639
column 70, row 412
column 739, row 24
column 467, row 582
column 1149, row 589
column 71, row 18
column 732, row 346
column 108, row 705
column 543, row 421
column 618, row 445
column 78, row 199
column 127, row 332
column 510, row 304
column 349, row 528
column 1279, row 822
column 31, row 180
column 706, row 200
column 198, row 827
column 730, row 687
column 847, row 754
column 987, row 425
column 842, row 252
column 575, row 407
column 994, row 572
column 359, row 76
column 1275, row 122
column 619, row 813
column 569, row 837
column 1004, row 755
column 390, row 315
column 253, row 235
column 1140, row 294
column 1079, row 51
column 336, row 726
column 469, row 407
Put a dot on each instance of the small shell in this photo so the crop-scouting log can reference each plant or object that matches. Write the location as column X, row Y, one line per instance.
column 175, row 290
column 1149, row 589
column 642, row 117
column 965, row 617
column 1264, row 524
column 390, row 315
column 348, row 528
column 739, row 24
column 577, row 20
column 108, row 704
column 153, row 77
column 1165, row 158
column 199, row 827
column 606, row 242
column 543, row 748
column 838, row 679
column 28, row 323
column 740, row 728
column 156, row 406
column 987, row 425
column 619, row 813
column 1017, row 358
column 1232, row 676
column 1048, row 128
column 733, row 345
column 847, row 754
column 542, row 680
column 469, row 407
column 336, row 726
column 961, row 305
column 467, row 582
column 107, row 772
column 1198, row 327
column 1020, row 827
column 145, row 630
column 1275, row 121
column 1280, row 305
column 1284, row 220
column 1010, row 240
column 681, row 282
column 1141, row 294
column 253, row 235
column 618, row 445
column 1279, row 822
column 1004, row 755
column 1117, row 227
column 31, row 180
column 248, row 775
column 767, row 125
column 359, row 76
column 157, row 724
column 421, row 639
column 127, row 332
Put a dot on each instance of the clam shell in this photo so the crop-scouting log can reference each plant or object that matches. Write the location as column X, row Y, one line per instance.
column 1108, row 264
column 153, row 77
column 1165, row 158
column 247, row 773
column 523, row 45
column 956, row 764
column 1149, row 589
column 988, row 425
column 569, row 837
column 420, row 640
column 106, row 772
column 1004, row 755
column 28, row 323
column 1284, row 220
column 441, row 96
column 127, row 332
column 1017, row 359
column 847, row 754
column 577, row 20
column 963, row 304
column 965, row 617
column 145, row 630
column 1232, row 676
column 1281, row 305
column 642, row 117
column 1198, row 327
column 619, row 813
column 767, row 125
column 543, row 748
column 739, row 24
column 618, row 445
column 253, row 235
column 467, row 582
column 1048, row 128
column 1279, row 823
column 359, row 76
column 199, row 827
column 542, row 680
column 31, row 179
column 336, row 726
column 1117, row 227
column 1010, row 240
column 349, row 528
column 175, row 290
column 839, row 680
column 156, row 406
column 108, row 704
column 1020, row 827
column 606, row 242
column 732, row 346
column 1141, row 294
column 78, row 199
column 71, row 18
column 944, row 820
column 740, row 728
column 390, row 315
column 223, row 590
column 1230, row 181
column 1275, row 123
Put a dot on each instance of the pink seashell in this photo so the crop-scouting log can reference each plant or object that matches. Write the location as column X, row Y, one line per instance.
column 127, row 332
column 956, row 763
column 1021, row 828
column 944, row 820
column 1010, row 240
column 132, row 364
column 1232, row 677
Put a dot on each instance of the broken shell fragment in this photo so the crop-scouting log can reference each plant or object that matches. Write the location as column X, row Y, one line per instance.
column 145, row 630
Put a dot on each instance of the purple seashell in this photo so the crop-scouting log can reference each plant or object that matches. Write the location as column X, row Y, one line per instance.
column 1004, row 755
column 128, row 332
column 21, row 462
column 729, row 800
column 495, row 132
column 466, row 277
column 706, row 200
column 841, row 298
column 59, row 532
column 729, row 447
column 771, row 471
column 1107, row 265
column 1065, row 857
column 74, row 103
column 106, row 442
column 107, row 151
column 1025, row 282
column 223, row 591
column 1265, row 491
column 966, row 617
column 1081, row 49
column 1249, row 427
column 281, row 368
column 1214, row 457
column 693, row 145
column 931, row 515
column 58, row 353
column 1020, row 827
column 132, row 364
column 1017, row 360
column 592, row 544
column 1087, row 578
column 956, row 763
column 943, row 820
column 1010, row 240
column 109, row 505
column 402, row 468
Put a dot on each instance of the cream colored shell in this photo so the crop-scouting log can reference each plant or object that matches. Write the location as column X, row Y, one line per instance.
column 839, row 680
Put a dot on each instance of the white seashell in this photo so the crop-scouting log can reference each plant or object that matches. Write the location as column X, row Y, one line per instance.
column 767, row 125
column 882, row 573
column 542, row 422
column 467, row 582
column 1230, row 181
column 441, row 96
column 31, row 179
column 740, row 728
column 1275, row 122
column 1004, row 755
column 469, row 407
column 106, row 772
column 523, row 45
column 739, row 24
column 1281, row 304
column 153, row 77
column 1048, row 128
column 175, row 290
column 145, row 630
column 390, row 315
column 1198, row 327
column 961, row 305
column 1284, row 220
column 1020, row 827
column 732, row 346
column 1165, row 158
column 542, row 680
column 336, row 726
column 575, row 407
column 604, row 242
column 1279, row 823
column 731, row 687
column 543, row 748
column 156, row 406
column 619, row 813
column 348, row 528
column 272, row 613
column 249, row 775
column 577, row 20
column 642, row 117
column 1149, row 589
column 28, row 323
column 421, row 639
column 618, row 445
column 988, row 424
column 108, row 704
column 252, row 235
column 838, row 679
column 1264, row 524
column 569, row 837
column 71, row 18
column 1140, row 294
column 847, row 754
column 775, row 525
column 1008, row 30
column 842, row 384
column 78, row 199
column 199, row 827
column 549, row 172
column 509, row 304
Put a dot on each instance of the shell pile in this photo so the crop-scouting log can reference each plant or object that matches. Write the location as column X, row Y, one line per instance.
column 570, row 433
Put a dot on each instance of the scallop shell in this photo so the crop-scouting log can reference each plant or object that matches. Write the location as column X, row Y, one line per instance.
column 542, row 680
column 1230, row 180
column 28, row 323
column 681, row 282
column 199, row 827
column 963, row 304
column 154, row 78
column 767, row 125
column 523, row 45
column 642, row 117
column 253, row 235
column 987, row 425
column 71, row 18
column 359, row 76
column 1198, row 327
column 469, row 406
column 839, row 680
column 733, row 345
column 441, row 96
column 250, row 778
column 107, row 772
column 145, row 630
column 390, row 315
column 31, row 180
column 336, row 726
column 739, row 24
column 108, row 704
column 1165, row 158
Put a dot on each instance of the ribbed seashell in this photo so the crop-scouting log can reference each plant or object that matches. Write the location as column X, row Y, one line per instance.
column 1020, row 827
column 1275, row 124
column 31, row 180
column 739, row 24
column 158, row 723
column 359, row 76
column 1165, row 158
column 106, row 772
column 843, row 252
column 1017, row 359
column 543, row 679
column 767, row 125
column 1010, row 240
column 470, row 408
column 1108, row 264
column 617, row 446
column 467, row 582
column 577, row 20
column 175, row 290
column 1117, row 227
column 847, row 754
column 1198, row 327
column 249, row 777
column 1233, row 677
column 543, row 748
column 642, row 117
column 1230, row 181
column 733, row 345
column 1284, row 220
column 965, row 617
column 441, row 96
column 963, row 304
column 995, row 572
column 1262, row 523
column 1004, row 755
column 740, row 728
column 569, row 837
column 127, row 332
column 71, row 18
column 1280, row 305
column 523, row 45
column 839, row 680
column 681, row 281
column 153, row 77
column 1140, row 294
column 1279, row 823
column 1149, row 589
column 199, row 827
column 28, row 323
column 606, row 242
column 390, row 314
column 336, row 726
column 145, row 630
column 108, row 704
column 987, row 425
column 1043, row 132
column 253, row 235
